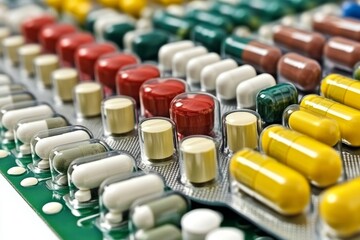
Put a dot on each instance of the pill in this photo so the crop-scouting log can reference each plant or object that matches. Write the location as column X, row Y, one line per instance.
column 210, row 73
column 132, row 7
column 241, row 130
column 115, row 32
column 17, row 97
column 168, row 209
column 303, row 42
column 15, row 16
column 67, row 45
column 11, row 89
column 77, row 10
column 4, row 153
column 321, row 128
column 193, row 114
column 83, row 172
column 318, row 162
column 11, row 46
column 95, row 15
column 88, row 97
column 197, row 64
column 64, row 81
column 27, row 53
column 227, row 81
column 5, row 79
column 107, row 66
column 199, row 158
column 129, row 37
column 211, row 19
column 118, row 196
column 181, row 59
column 272, row 183
column 157, row 136
column 118, row 115
column 168, row 51
column 337, row 207
column 44, row 145
column 337, row 26
column 15, row 171
column 348, row 118
column 209, row 36
column 247, row 90
column 31, row 27
column 29, row 182
column 4, row 33
column 144, row 24
column 351, row 9
column 356, row 72
column 50, row 35
column 130, row 78
column 44, row 66
column 146, row 41
column 86, row 56
column 27, row 130
column 52, row 208
column 63, row 159
column 157, row 94
column 303, row 72
column 261, row 56
column 197, row 223
column 341, row 53
column 226, row 233
column 177, row 26
column 12, row 117
column 107, row 20
column 167, row 231
column 272, row 101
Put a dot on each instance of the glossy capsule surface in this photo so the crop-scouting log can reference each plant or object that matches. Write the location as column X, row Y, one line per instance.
column 284, row 190
column 318, row 162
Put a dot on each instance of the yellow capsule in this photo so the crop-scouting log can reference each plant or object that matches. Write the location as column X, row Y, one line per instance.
column 169, row 2
column 78, row 9
column 348, row 118
column 274, row 184
column 132, row 7
column 340, row 207
column 109, row 3
column 318, row 162
column 341, row 89
column 56, row 4
column 323, row 129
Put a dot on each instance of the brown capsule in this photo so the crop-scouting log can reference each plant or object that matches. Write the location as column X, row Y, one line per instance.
column 303, row 42
column 342, row 53
column 303, row 72
column 337, row 26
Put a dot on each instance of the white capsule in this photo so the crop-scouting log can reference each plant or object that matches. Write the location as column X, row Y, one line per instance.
column 210, row 73
column 144, row 24
column 227, row 82
column 246, row 91
column 5, row 79
column 226, row 233
column 119, row 196
column 167, row 52
column 16, row 16
column 11, row 88
column 4, row 33
column 101, row 13
column 197, row 64
column 15, row 98
column 44, row 146
column 176, row 10
column 182, row 58
column 102, row 23
column 11, row 118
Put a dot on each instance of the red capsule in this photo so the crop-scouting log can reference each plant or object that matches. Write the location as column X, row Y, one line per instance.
column 31, row 27
column 193, row 114
column 86, row 57
column 157, row 94
column 68, row 44
column 129, row 79
column 50, row 34
column 108, row 65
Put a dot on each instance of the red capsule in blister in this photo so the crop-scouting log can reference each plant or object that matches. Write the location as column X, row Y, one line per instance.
column 50, row 35
column 31, row 27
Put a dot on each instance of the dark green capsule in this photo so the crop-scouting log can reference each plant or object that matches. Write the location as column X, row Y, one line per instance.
column 234, row 46
column 147, row 45
column 271, row 102
column 209, row 37
column 356, row 73
column 178, row 27
column 213, row 19
column 302, row 5
column 271, row 10
column 116, row 32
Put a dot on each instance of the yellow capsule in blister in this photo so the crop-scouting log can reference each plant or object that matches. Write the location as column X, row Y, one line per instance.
column 278, row 186
column 340, row 207
column 318, row 162
column 132, row 7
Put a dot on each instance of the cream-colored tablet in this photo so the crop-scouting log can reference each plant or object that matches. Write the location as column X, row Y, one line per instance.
column 4, row 153
column 27, row 54
column 241, row 131
column 199, row 159
column 10, row 47
column 29, row 182
column 4, row 33
column 118, row 115
column 157, row 136
column 52, row 208
column 16, row 171
column 64, row 80
column 88, row 97
column 44, row 66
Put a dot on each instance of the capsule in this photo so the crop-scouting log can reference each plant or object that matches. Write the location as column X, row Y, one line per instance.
column 303, row 72
column 348, row 118
column 27, row 54
column 209, row 37
column 226, row 233
column 179, row 27
column 32, row 26
column 161, row 232
column 272, row 183
column 272, row 101
column 64, row 80
column 303, row 42
column 44, row 66
column 168, row 51
column 181, row 59
column 115, row 32
column 214, row 20
column 247, row 90
column 15, row 98
column 317, row 161
column 4, row 33
column 102, row 23
column 88, row 97
column 337, row 26
column 262, row 57
column 11, row 46
column 227, row 81
column 210, row 73
column 356, row 72
column 338, row 208
column 5, row 79
column 146, row 48
column 96, row 14
column 341, row 53
column 197, row 64
column 351, row 9
column 50, row 35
